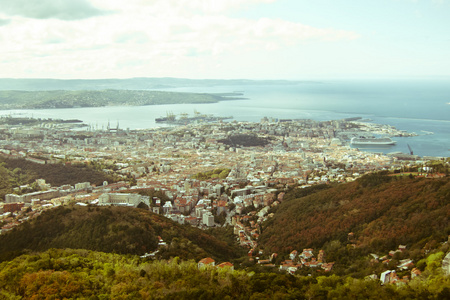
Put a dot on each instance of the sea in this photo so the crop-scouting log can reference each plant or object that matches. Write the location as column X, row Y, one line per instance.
column 419, row 106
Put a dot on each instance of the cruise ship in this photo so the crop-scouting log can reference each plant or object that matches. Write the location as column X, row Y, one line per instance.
column 372, row 141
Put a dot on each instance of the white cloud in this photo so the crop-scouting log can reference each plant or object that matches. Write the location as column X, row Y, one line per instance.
column 145, row 38
column 177, row 6
column 47, row 9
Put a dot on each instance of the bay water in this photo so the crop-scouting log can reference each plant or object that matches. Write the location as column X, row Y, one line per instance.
column 420, row 106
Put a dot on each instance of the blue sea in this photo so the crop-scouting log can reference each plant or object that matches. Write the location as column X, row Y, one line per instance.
column 417, row 106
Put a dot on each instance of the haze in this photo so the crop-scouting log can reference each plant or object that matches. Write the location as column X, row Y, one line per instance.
column 255, row 39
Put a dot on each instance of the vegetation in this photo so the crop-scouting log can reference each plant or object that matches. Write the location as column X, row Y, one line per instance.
column 112, row 229
column 245, row 140
column 89, row 98
column 17, row 172
column 216, row 173
column 63, row 274
column 382, row 212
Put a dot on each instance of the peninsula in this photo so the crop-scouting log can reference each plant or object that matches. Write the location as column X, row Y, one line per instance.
column 97, row 98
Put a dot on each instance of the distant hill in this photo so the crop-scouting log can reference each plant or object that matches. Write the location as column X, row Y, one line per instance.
column 115, row 230
column 381, row 211
column 29, row 84
column 13, row 99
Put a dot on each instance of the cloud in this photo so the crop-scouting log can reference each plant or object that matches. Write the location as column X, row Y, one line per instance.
column 151, row 37
column 4, row 22
column 51, row 9
column 177, row 6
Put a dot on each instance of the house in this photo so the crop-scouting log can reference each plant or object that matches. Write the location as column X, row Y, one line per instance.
column 313, row 263
column 321, row 256
column 193, row 221
column 206, row 262
column 263, row 261
column 307, row 253
column 327, row 266
column 226, row 265
column 285, row 265
column 291, row 270
column 415, row 272
column 405, row 264
column 388, row 276
column 293, row 254
column 167, row 208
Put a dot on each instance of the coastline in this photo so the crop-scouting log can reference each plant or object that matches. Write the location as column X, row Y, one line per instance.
column 397, row 104
column 143, row 118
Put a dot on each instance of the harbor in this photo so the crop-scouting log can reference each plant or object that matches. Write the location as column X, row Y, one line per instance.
column 185, row 119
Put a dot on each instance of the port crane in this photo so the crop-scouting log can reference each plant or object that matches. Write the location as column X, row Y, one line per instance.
column 410, row 150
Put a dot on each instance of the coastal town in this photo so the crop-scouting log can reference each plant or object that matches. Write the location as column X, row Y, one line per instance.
column 207, row 174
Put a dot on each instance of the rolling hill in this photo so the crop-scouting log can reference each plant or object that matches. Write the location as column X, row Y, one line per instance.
column 381, row 211
column 115, row 230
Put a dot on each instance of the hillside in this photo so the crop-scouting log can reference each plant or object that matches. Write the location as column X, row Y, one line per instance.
column 381, row 211
column 13, row 99
column 17, row 172
column 82, row 274
column 112, row 229
column 31, row 84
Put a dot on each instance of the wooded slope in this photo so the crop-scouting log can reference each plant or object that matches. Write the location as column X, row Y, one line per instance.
column 112, row 229
column 382, row 212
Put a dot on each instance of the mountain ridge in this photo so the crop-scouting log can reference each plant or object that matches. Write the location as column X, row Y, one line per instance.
column 138, row 83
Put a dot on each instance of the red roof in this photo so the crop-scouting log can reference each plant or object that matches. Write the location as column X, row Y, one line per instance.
column 207, row 261
column 225, row 264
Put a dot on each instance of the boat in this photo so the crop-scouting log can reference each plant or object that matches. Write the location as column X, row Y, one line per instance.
column 184, row 118
column 372, row 141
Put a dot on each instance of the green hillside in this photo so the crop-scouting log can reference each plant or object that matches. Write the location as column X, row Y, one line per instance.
column 82, row 274
column 115, row 230
column 98, row 98
column 381, row 211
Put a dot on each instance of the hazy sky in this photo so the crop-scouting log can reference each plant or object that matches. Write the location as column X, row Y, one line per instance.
column 255, row 39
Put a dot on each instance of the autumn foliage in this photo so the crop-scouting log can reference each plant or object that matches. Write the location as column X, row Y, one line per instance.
column 382, row 212
column 112, row 229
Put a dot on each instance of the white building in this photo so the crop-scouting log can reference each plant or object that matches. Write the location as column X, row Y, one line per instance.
column 208, row 219
column 120, row 199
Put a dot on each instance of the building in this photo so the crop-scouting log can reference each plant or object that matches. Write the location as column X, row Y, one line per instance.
column 12, row 207
column 119, row 199
column 226, row 265
column 41, row 195
column 206, row 262
column 82, row 185
column 208, row 219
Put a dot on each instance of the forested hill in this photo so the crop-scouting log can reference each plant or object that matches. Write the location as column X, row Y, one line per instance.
column 40, row 84
column 12, row 99
column 381, row 211
column 82, row 274
column 113, row 229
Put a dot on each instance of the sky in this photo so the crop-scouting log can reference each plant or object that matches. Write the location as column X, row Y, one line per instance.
column 225, row 39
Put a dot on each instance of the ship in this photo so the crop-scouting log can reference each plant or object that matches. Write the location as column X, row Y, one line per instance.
column 383, row 141
column 184, row 119
column 170, row 117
